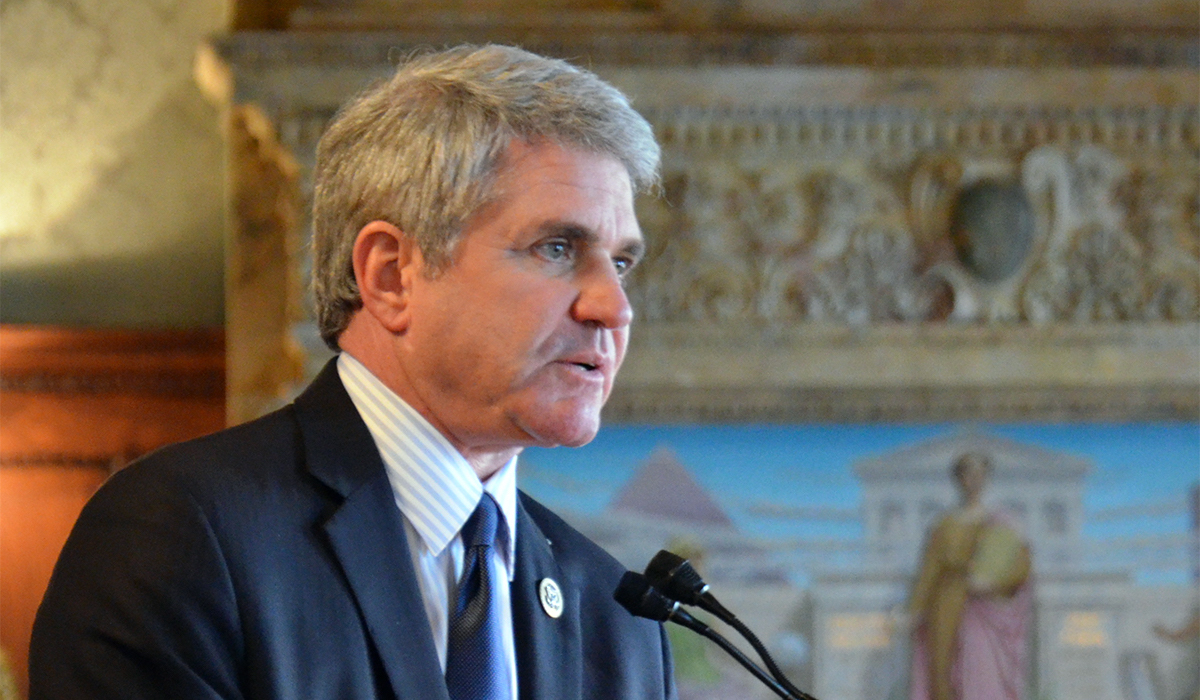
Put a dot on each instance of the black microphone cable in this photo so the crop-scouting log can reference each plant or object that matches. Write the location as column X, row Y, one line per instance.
column 639, row 597
column 676, row 578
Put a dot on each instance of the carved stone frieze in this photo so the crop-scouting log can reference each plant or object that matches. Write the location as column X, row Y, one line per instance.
column 848, row 216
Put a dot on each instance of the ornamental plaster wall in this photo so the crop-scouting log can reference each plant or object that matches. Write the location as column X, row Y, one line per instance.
column 112, row 174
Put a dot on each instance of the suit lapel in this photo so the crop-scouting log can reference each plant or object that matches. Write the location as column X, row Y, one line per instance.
column 367, row 536
column 548, row 649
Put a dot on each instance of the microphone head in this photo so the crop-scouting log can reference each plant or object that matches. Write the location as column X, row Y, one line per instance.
column 636, row 595
column 675, row 577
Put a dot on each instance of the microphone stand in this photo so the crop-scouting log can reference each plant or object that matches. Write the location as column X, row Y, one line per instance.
column 637, row 596
column 678, row 579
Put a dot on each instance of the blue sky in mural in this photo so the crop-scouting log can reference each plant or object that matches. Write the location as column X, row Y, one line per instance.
column 1141, row 472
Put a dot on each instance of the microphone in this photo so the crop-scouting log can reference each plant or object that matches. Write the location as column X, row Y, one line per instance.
column 636, row 595
column 641, row 599
column 677, row 578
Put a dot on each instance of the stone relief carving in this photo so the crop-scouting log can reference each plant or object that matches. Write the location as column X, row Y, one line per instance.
column 730, row 245
column 1119, row 247
column 995, row 231
column 846, row 215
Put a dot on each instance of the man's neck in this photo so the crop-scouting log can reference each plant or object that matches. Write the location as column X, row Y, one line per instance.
column 486, row 463
column 365, row 348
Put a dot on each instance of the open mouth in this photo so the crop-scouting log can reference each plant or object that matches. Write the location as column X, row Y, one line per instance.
column 586, row 366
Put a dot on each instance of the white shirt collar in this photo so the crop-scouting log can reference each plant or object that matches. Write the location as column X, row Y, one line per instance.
column 434, row 486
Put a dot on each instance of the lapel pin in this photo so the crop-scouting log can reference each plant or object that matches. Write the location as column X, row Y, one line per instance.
column 551, row 597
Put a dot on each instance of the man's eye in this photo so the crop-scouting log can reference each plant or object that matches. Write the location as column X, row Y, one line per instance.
column 623, row 265
column 555, row 249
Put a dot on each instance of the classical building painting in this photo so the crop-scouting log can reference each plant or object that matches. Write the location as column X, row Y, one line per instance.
column 815, row 537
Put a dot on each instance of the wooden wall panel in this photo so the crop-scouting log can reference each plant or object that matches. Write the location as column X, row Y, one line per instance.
column 76, row 405
column 38, row 506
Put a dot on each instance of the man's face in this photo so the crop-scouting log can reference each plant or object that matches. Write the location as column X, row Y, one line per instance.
column 518, row 341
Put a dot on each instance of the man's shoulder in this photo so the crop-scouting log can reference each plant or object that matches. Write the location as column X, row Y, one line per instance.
column 239, row 446
column 221, row 462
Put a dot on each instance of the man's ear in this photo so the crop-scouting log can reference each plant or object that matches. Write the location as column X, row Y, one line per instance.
column 385, row 262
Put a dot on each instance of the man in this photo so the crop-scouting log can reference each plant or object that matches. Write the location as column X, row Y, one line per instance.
column 473, row 223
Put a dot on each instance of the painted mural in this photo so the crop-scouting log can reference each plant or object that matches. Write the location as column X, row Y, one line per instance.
column 1079, row 548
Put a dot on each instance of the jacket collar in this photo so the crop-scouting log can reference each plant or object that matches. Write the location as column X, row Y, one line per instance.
column 366, row 535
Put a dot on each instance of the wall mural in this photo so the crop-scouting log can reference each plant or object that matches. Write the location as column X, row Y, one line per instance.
column 814, row 536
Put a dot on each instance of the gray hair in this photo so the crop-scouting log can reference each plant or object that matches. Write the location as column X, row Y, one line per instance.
column 423, row 151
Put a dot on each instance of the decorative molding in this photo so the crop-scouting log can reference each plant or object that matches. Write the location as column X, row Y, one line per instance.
column 62, row 460
column 89, row 362
column 91, row 397
column 867, row 237
column 205, row 384
column 890, row 128
column 821, row 372
column 669, row 403
column 252, row 51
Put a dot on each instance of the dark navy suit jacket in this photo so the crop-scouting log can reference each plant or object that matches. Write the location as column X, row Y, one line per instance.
column 269, row 561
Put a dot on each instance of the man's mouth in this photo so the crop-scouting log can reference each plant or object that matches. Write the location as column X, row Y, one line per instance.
column 590, row 363
column 587, row 362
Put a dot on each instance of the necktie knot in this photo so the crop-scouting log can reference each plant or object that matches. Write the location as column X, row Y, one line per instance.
column 480, row 529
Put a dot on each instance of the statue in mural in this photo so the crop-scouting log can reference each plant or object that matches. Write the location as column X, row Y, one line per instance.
column 971, row 605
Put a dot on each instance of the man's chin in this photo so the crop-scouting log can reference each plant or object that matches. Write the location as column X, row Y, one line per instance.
column 555, row 427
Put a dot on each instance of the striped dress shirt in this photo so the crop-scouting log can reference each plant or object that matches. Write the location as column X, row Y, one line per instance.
column 436, row 491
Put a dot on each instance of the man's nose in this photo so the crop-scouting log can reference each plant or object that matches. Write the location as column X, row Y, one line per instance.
column 602, row 300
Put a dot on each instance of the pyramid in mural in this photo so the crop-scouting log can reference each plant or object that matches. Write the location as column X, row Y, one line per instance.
column 663, row 488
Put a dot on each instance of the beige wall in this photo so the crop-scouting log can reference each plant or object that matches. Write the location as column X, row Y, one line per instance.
column 111, row 173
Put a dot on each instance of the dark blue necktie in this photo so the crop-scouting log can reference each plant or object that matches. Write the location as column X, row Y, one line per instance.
column 475, row 666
